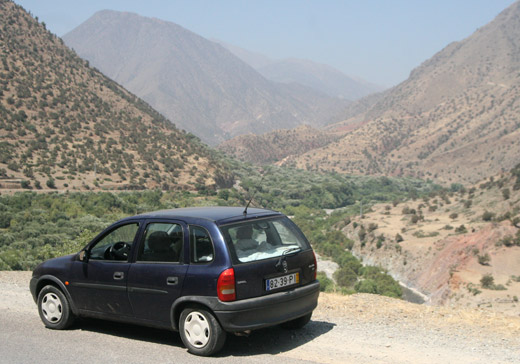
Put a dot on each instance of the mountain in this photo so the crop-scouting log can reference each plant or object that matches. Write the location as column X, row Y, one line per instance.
column 198, row 84
column 276, row 145
column 454, row 119
column 65, row 125
column 320, row 77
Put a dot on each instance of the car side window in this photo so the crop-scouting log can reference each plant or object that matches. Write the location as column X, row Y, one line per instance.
column 162, row 242
column 201, row 245
column 116, row 244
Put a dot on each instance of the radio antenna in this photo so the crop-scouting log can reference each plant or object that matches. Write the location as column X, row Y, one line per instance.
column 253, row 195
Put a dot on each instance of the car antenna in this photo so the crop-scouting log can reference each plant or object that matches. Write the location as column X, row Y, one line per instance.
column 253, row 196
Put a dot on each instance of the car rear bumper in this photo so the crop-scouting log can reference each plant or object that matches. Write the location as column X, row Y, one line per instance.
column 270, row 310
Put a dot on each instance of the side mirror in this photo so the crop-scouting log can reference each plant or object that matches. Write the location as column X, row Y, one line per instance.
column 84, row 256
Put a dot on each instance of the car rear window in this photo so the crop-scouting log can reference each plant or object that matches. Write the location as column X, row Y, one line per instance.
column 263, row 239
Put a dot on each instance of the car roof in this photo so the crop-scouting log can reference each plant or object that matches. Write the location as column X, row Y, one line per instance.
column 220, row 215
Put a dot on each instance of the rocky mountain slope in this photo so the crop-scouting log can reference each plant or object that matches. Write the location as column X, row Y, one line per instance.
column 276, row 145
column 198, row 84
column 454, row 119
column 317, row 76
column 445, row 244
column 65, row 125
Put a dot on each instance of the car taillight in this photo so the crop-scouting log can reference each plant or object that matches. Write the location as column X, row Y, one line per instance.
column 226, row 286
column 315, row 266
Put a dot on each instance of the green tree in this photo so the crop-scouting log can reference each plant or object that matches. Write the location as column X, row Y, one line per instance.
column 345, row 277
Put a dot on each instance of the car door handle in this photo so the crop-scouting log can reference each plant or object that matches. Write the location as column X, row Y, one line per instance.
column 172, row 281
column 119, row 275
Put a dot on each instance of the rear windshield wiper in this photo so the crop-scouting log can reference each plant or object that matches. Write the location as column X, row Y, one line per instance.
column 291, row 250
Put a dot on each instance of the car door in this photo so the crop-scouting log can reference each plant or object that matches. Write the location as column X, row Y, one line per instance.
column 99, row 283
column 156, row 278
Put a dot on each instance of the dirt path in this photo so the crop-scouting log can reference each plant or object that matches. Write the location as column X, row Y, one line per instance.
column 353, row 329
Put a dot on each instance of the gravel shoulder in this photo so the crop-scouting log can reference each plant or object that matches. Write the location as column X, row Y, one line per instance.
column 345, row 329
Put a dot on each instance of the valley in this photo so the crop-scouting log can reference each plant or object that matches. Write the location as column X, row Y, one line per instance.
column 445, row 244
column 419, row 183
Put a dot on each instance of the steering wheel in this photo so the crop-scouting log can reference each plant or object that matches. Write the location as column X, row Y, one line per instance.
column 120, row 250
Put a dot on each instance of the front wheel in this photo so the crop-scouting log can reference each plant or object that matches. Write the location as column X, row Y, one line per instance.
column 54, row 308
column 200, row 332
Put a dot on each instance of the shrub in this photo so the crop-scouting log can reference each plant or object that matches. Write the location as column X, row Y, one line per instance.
column 398, row 238
column 461, row 229
column 326, row 284
column 345, row 277
column 487, row 281
column 454, row 215
column 5, row 220
column 484, row 259
column 488, row 216
column 362, row 234
column 366, row 286
column 371, row 227
column 50, row 183
column 414, row 219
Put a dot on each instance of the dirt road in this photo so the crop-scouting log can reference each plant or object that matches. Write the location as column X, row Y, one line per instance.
column 355, row 329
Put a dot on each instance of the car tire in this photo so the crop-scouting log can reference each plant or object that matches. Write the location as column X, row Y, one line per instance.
column 200, row 331
column 297, row 323
column 54, row 308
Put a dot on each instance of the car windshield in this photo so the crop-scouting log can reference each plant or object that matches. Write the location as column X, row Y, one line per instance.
column 263, row 239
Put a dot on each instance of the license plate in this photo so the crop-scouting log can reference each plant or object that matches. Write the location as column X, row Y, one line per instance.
column 280, row 282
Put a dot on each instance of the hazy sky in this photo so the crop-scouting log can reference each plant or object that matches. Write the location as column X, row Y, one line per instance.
column 380, row 41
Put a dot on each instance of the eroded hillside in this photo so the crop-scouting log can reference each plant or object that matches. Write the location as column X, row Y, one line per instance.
column 455, row 119
column 459, row 247
column 65, row 125
column 276, row 145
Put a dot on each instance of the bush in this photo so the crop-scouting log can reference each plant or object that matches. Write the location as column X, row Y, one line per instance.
column 454, row 215
column 398, row 238
column 5, row 220
column 371, row 227
column 488, row 216
column 366, row 286
column 362, row 234
column 487, row 281
column 484, row 259
column 50, row 183
column 326, row 284
column 461, row 230
column 345, row 277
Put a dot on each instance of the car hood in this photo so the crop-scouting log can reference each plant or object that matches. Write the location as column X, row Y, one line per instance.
column 53, row 265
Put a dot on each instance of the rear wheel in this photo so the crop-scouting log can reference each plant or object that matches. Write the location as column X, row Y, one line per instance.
column 200, row 332
column 54, row 308
column 297, row 323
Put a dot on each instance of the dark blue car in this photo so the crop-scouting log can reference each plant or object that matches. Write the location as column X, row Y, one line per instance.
column 201, row 271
